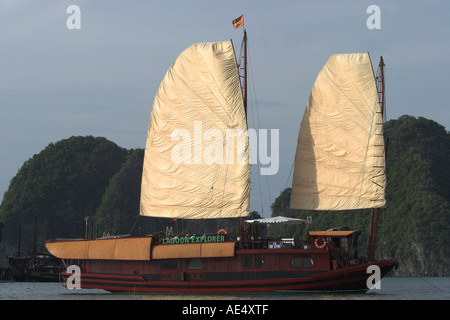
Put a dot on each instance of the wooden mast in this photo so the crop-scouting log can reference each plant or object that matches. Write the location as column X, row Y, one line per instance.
column 375, row 213
column 245, row 71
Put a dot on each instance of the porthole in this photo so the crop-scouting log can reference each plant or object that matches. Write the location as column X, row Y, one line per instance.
column 302, row 263
column 252, row 263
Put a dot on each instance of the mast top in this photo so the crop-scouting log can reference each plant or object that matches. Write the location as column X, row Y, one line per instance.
column 237, row 23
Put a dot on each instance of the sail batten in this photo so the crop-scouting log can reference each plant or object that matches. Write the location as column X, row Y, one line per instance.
column 339, row 162
column 193, row 167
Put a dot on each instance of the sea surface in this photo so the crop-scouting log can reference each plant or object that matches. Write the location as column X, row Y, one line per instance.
column 392, row 288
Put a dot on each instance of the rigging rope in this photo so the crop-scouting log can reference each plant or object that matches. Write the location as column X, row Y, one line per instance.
column 259, row 123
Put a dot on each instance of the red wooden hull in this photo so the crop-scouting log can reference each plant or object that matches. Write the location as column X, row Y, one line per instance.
column 350, row 278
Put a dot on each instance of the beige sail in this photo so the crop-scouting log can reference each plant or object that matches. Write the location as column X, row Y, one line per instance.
column 196, row 161
column 340, row 162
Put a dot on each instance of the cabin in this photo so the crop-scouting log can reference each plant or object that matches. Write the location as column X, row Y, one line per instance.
column 342, row 244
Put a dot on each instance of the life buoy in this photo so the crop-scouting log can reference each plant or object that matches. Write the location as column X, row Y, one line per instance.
column 320, row 243
column 222, row 231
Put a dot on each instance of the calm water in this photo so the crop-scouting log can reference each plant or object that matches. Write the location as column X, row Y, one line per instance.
column 392, row 288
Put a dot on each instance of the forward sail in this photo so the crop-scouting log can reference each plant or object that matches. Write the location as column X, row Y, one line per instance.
column 196, row 162
column 340, row 159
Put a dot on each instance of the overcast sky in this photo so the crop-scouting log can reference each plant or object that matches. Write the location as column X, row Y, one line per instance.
column 100, row 80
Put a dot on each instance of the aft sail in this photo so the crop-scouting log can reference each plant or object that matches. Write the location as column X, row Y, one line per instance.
column 196, row 162
column 340, row 158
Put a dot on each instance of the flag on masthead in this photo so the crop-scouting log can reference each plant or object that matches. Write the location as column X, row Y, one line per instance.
column 238, row 22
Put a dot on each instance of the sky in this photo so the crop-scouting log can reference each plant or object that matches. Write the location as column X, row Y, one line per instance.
column 101, row 79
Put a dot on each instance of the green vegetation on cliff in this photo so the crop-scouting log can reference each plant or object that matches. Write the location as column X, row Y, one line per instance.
column 59, row 186
column 119, row 208
column 416, row 221
column 92, row 177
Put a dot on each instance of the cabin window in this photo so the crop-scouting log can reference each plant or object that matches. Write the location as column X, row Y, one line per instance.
column 252, row 263
column 307, row 262
column 193, row 264
column 296, row 262
column 247, row 263
column 302, row 263
column 258, row 262
column 169, row 264
column 344, row 244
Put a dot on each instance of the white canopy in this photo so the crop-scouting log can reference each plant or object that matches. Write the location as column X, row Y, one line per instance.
column 280, row 219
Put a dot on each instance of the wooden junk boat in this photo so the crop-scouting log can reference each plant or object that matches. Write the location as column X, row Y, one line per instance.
column 339, row 165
